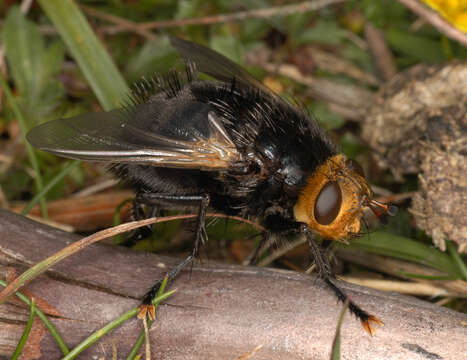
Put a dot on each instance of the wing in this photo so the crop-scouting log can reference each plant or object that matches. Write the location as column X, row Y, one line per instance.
column 146, row 136
column 216, row 65
column 177, row 132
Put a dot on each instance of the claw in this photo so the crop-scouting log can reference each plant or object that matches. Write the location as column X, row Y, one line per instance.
column 147, row 310
column 368, row 324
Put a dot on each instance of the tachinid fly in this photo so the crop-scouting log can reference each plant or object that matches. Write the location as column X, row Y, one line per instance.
column 229, row 144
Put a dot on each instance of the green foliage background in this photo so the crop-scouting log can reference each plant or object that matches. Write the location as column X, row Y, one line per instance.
column 58, row 66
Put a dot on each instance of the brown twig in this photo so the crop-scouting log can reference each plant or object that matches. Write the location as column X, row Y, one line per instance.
column 353, row 99
column 52, row 223
column 289, row 245
column 436, row 20
column 237, row 16
column 96, row 188
column 86, row 213
column 3, row 200
column 39, row 268
column 250, row 353
column 399, row 268
column 77, row 246
column 402, row 287
column 328, row 61
column 122, row 23
column 381, row 53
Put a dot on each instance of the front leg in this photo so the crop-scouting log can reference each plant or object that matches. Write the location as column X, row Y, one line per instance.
column 277, row 223
column 324, row 272
column 323, row 265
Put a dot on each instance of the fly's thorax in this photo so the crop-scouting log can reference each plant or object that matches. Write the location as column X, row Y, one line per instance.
column 332, row 201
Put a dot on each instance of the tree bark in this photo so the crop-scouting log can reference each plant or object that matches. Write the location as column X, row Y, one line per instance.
column 218, row 311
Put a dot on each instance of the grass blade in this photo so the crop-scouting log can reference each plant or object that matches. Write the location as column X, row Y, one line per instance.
column 26, row 332
column 109, row 327
column 93, row 60
column 29, row 149
column 336, row 344
column 455, row 256
column 71, row 249
column 400, row 247
column 70, row 166
column 53, row 330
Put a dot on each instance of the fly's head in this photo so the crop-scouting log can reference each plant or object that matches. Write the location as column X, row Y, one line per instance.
column 334, row 198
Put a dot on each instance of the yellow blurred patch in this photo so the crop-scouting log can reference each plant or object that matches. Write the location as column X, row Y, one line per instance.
column 455, row 11
column 273, row 84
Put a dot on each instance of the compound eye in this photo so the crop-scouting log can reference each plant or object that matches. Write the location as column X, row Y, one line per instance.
column 328, row 203
column 355, row 166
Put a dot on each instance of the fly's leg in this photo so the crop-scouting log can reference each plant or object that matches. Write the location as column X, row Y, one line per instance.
column 199, row 237
column 324, row 272
column 265, row 236
column 322, row 262
column 366, row 319
column 138, row 213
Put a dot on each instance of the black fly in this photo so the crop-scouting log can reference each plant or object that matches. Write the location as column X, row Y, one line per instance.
column 229, row 144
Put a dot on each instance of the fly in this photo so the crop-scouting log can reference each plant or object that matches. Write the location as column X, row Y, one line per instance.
column 229, row 144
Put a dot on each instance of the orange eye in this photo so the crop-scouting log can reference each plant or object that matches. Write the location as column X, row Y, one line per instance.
column 328, row 203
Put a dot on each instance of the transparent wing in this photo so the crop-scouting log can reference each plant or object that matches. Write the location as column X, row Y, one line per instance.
column 182, row 134
column 117, row 137
column 216, row 65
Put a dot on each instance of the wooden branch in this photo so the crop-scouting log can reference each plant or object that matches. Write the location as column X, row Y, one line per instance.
column 218, row 311
column 298, row 8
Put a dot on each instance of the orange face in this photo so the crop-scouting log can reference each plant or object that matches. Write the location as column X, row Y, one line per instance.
column 333, row 199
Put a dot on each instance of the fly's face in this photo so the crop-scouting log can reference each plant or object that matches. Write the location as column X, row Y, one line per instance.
column 333, row 200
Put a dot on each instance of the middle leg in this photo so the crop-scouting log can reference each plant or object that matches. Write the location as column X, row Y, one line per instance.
column 202, row 202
